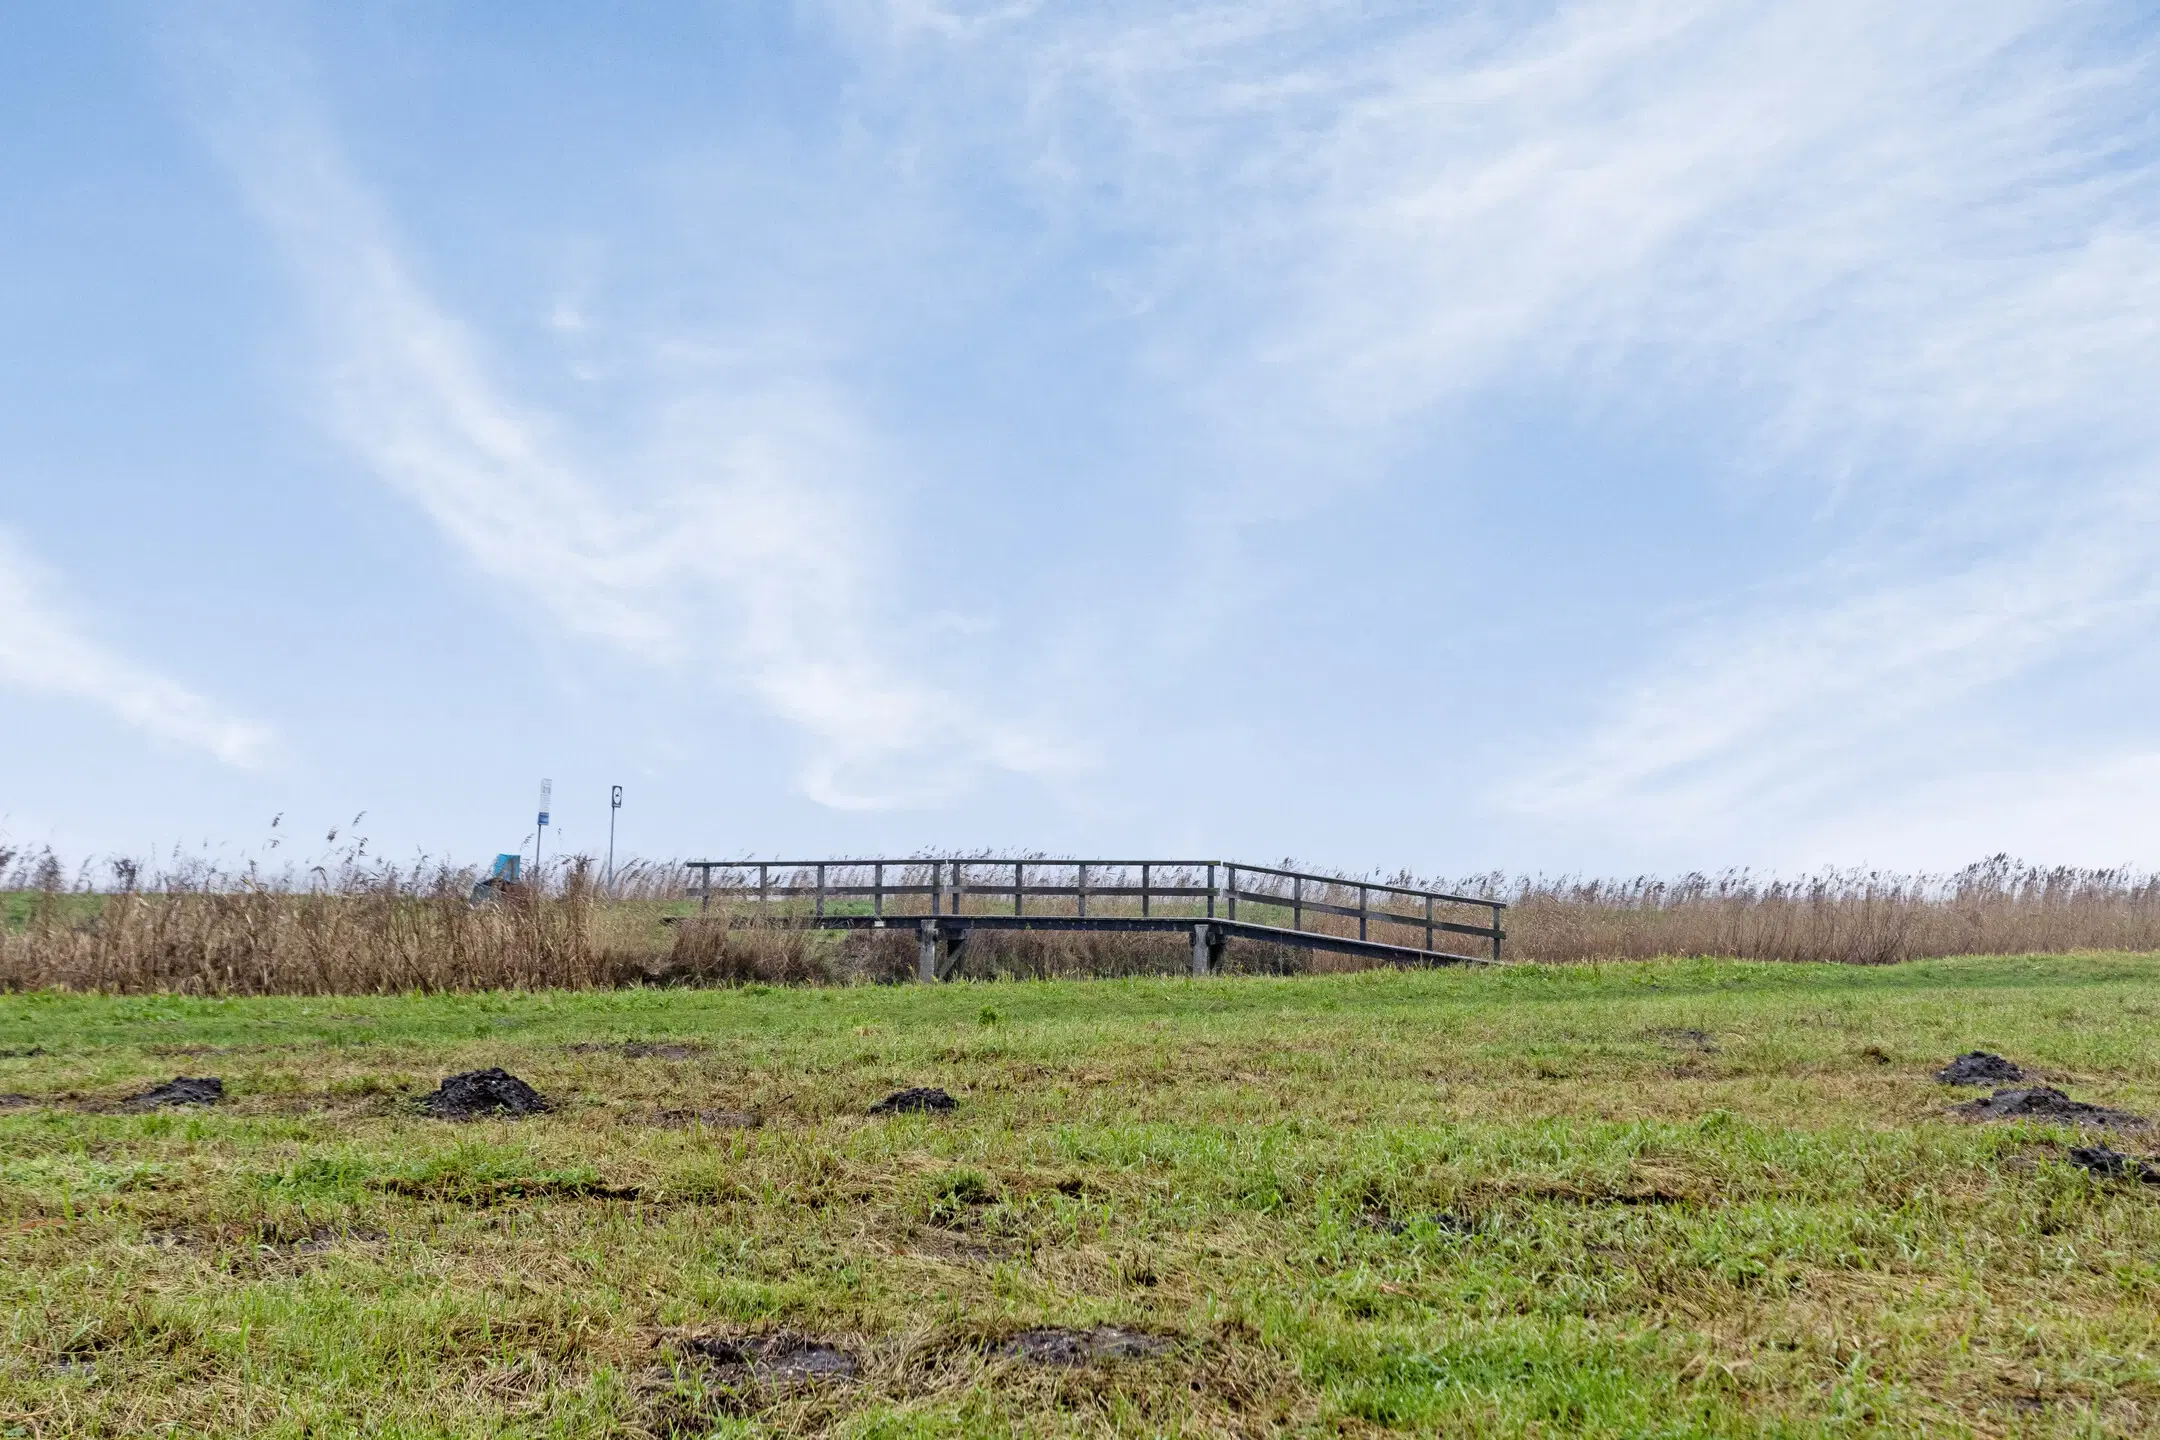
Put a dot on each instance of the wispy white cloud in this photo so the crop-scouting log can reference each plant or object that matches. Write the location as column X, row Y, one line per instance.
column 731, row 539
column 46, row 649
column 1903, row 258
column 1766, row 716
column 1367, row 212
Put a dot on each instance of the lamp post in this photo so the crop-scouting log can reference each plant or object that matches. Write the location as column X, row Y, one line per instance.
column 614, row 804
column 547, row 790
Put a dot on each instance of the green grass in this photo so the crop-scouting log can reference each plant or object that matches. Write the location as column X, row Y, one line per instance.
column 1501, row 1202
column 70, row 907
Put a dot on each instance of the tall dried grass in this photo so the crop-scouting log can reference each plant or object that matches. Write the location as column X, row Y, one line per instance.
column 1997, row 907
column 357, row 927
column 361, row 932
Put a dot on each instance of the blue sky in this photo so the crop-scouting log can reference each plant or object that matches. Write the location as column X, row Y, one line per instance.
column 1599, row 436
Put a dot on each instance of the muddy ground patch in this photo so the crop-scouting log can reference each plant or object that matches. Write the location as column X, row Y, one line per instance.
column 180, row 1090
column 1096, row 1345
column 1980, row 1067
column 2046, row 1103
column 917, row 1101
column 484, row 1094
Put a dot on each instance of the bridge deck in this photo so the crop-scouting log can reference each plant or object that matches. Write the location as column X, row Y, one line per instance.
column 952, row 928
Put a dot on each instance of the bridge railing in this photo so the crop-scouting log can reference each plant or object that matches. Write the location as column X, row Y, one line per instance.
column 1248, row 895
column 1396, row 908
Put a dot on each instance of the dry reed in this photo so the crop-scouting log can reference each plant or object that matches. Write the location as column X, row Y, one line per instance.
column 1997, row 907
column 355, row 927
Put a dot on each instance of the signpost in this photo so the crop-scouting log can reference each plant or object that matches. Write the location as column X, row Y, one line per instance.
column 614, row 804
column 547, row 790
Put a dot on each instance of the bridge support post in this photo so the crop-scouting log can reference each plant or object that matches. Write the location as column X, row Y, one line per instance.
column 926, row 955
column 955, row 952
column 1201, row 950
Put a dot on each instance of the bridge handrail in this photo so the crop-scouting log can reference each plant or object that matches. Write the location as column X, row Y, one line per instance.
column 1222, row 886
column 1238, row 865
column 1241, row 867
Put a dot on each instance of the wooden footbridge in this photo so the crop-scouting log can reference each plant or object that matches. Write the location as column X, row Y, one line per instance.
column 943, row 901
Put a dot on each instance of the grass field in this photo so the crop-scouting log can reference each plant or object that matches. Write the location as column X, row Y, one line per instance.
column 1671, row 1198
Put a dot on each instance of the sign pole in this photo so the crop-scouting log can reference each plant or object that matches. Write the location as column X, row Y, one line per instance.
column 547, row 791
column 614, row 804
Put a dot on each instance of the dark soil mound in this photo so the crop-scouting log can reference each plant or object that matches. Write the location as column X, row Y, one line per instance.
column 906, row 1101
column 2110, row 1163
column 2045, row 1102
column 478, row 1093
column 1978, row 1067
column 781, row 1357
column 180, row 1090
column 1056, row 1346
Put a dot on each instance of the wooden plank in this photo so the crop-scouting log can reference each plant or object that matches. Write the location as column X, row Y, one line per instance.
column 1244, row 929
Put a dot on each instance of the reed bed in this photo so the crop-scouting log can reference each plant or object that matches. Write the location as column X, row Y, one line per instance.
column 1996, row 907
column 351, row 926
